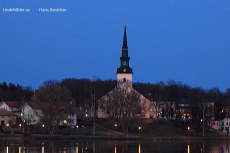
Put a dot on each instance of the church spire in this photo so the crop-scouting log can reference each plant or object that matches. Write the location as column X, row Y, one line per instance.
column 125, row 39
column 124, row 72
column 124, row 59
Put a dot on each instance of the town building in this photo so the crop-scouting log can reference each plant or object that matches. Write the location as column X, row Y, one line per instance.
column 7, row 118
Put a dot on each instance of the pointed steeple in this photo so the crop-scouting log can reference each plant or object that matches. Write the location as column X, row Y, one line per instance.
column 124, row 59
column 125, row 39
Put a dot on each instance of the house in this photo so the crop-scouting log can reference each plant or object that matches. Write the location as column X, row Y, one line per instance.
column 162, row 109
column 124, row 86
column 3, row 105
column 7, row 118
column 31, row 113
column 14, row 105
column 219, row 123
column 184, row 107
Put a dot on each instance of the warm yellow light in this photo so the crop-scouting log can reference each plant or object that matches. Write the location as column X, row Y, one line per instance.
column 65, row 121
column 188, row 128
column 139, row 127
column 7, row 125
column 19, row 149
column 20, row 125
column 139, row 148
column 115, row 124
column 43, row 125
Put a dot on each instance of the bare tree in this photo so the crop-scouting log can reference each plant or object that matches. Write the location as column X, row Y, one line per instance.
column 124, row 104
column 156, row 95
column 54, row 104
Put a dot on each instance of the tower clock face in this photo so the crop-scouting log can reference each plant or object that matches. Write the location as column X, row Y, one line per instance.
column 124, row 70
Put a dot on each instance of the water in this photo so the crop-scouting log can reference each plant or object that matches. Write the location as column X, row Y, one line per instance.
column 113, row 146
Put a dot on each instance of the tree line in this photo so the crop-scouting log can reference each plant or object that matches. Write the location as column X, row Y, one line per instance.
column 82, row 91
column 12, row 92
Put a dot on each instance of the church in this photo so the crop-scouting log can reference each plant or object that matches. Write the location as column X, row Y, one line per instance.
column 123, row 98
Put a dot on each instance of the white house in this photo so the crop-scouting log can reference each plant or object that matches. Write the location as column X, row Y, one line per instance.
column 3, row 105
column 221, row 124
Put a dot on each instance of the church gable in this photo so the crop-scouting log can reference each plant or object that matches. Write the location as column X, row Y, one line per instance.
column 124, row 99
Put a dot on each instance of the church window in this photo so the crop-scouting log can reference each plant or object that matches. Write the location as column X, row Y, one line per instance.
column 108, row 110
column 124, row 63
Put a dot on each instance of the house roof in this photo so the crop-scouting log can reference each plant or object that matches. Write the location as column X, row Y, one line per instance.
column 14, row 103
column 44, row 105
column 4, row 112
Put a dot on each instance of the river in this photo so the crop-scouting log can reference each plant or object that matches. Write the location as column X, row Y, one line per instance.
column 113, row 146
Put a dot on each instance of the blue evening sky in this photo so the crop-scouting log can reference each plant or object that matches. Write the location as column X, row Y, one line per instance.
column 186, row 41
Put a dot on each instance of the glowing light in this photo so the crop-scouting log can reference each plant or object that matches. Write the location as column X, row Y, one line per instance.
column 139, row 148
column 76, row 149
column 115, row 149
column 188, row 149
column 43, row 149
column 65, row 121
column 19, row 149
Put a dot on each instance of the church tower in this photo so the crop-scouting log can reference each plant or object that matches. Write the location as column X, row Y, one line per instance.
column 124, row 72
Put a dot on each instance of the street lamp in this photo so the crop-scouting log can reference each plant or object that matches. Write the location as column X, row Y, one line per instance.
column 22, row 117
column 188, row 130
column 43, row 125
column 139, row 130
column 20, row 128
column 77, row 129
column 227, row 129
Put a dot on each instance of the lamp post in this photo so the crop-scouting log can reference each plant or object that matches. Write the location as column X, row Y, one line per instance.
column 22, row 117
column 43, row 125
column 139, row 130
column 188, row 130
column 20, row 125
column 227, row 128
column 77, row 129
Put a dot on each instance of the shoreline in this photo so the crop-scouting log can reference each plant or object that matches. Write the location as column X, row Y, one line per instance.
column 116, row 137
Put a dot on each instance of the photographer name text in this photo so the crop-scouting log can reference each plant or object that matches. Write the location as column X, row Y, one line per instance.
column 29, row 10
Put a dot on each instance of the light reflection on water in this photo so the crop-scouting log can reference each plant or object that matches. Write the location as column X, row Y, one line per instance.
column 112, row 146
